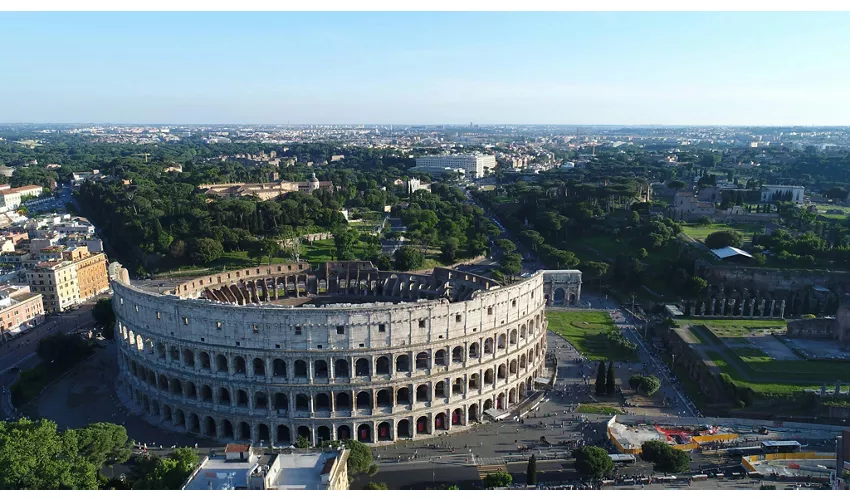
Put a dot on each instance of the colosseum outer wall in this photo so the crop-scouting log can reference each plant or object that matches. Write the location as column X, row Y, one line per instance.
column 376, row 371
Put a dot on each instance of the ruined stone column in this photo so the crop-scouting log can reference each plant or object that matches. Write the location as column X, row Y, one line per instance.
column 723, row 306
column 761, row 308
column 713, row 304
column 752, row 306
column 772, row 305
column 702, row 308
column 782, row 310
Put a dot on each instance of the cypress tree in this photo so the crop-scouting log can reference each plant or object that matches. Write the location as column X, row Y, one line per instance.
column 600, row 379
column 610, row 386
column 531, row 471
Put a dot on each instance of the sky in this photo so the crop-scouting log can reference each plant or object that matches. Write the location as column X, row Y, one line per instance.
column 426, row 68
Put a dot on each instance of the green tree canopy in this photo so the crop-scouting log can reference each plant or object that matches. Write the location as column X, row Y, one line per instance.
column 592, row 462
column 725, row 238
column 600, row 379
column 498, row 479
column 646, row 384
column 104, row 316
column 664, row 457
column 407, row 258
column 205, row 250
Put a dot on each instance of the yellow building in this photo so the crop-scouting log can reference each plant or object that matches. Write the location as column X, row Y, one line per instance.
column 57, row 283
column 92, row 277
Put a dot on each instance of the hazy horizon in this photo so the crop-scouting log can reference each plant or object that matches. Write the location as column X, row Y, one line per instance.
column 617, row 69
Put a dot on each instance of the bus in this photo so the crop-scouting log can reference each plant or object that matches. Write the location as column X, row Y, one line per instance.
column 619, row 458
column 744, row 451
column 780, row 446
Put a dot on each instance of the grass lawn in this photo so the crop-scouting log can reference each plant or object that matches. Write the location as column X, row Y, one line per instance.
column 586, row 331
column 736, row 327
column 700, row 232
column 823, row 207
column 598, row 409
column 752, row 355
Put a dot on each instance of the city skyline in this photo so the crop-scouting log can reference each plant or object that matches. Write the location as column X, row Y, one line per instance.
column 567, row 68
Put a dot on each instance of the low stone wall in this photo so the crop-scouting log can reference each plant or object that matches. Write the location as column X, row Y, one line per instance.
column 817, row 328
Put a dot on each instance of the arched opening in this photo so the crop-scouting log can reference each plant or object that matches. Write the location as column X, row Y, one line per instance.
column 221, row 363
column 239, row 365
column 166, row 412
column 457, row 417
column 227, row 429
column 473, row 381
column 559, row 296
column 206, row 394
column 440, row 422
column 155, row 407
column 321, row 367
column 259, row 368
column 174, row 353
column 512, row 396
column 281, row 402
column 403, row 396
column 261, row 401
column 501, row 342
column 422, row 426
column 488, row 346
column 205, row 361
column 522, row 390
column 323, row 402
column 188, row 358
column 457, row 355
column 457, row 387
column 364, row 400
column 572, row 299
column 364, row 433
column 160, row 350
column 343, row 401
column 422, row 361
column 176, row 386
column 500, row 401
column 403, row 428
column 223, row 395
column 263, row 433
column 244, row 431
column 361, row 368
column 473, row 412
column 522, row 331
column 382, row 365
column 384, row 432
column 209, row 427
column 402, row 363
column 512, row 367
column 194, row 424
column 502, row 372
column 512, row 339
column 522, row 362
column 304, row 431
column 279, row 368
column 440, row 358
column 301, row 368
column 473, row 350
column 488, row 376
column 341, row 368
column 440, row 390
column 323, row 433
column 163, row 382
column 283, row 436
column 302, row 402
column 421, row 393
column 241, row 398
column 383, row 398
column 343, row 432
column 179, row 418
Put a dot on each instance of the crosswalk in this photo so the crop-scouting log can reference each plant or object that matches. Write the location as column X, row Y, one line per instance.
column 490, row 461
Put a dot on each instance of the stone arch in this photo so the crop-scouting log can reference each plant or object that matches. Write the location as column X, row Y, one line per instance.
column 321, row 368
column 322, row 401
column 522, row 331
column 440, row 358
column 473, row 412
column 474, row 382
column 501, row 341
column 279, row 368
column 188, row 358
column 283, row 436
column 166, row 412
column 343, row 432
column 384, row 432
column 242, row 398
column 512, row 338
column 227, row 429
column 343, row 401
column 501, row 372
column 422, row 361
column 512, row 367
column 194, row 424
column 205, row 361
column 488, row 346
column 191, row 391
column 403, row 396
column 163, row 382
column 473, row 350
column 259, row 367
column 223, row 395
column 323, row 433
column 500, row 401
column 384, row 398
column 403, row 428
column 263, row 433
column 440, row 389
column 300, row 368
column 341, row 369
column 281, row 402
column 155, row 407
column 572, row 299
column 302, row 402
column 304, row 431
column 440, row 422
column 244, row 431
column 160, row 350
column 382, row 365
column 488, row 376
column 179, row 418
column 364, row 400
column 364, row 433
column 361, row 368
column 174, row 353
column 512, row 396
column 422, row 425
column 261, row 401
column 239, row 365
column 421, row 393
column 559, row 296
column 209, row 427
column 488, row 404
column 457, row 387
column 220, row 363
column 457, row 416
column 402, row 363
column 176, row 387
column 457, row 355
column 522, row 362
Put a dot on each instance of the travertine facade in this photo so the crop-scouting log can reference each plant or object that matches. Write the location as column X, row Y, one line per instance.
column 373, row 355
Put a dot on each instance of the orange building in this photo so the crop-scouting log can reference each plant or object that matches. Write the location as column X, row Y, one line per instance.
column 92, row 277
column 19, row 308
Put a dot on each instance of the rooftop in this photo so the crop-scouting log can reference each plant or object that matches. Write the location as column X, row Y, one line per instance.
column 726, row 252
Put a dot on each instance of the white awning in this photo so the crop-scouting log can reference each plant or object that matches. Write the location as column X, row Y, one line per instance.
column 541, row 380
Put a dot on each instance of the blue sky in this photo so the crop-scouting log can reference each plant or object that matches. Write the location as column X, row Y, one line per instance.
column 429, row 68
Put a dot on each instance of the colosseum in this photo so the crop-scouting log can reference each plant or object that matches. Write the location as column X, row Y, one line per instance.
column 343, row 351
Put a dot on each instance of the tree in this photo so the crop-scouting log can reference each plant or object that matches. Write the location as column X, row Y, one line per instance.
column 725, row 238
column 664, row 457
column 600, row 379
column 449, row 250
column 407, row 258
column 103, row 442
column 531, row 471
column 510, row 264
column 697, row 285
column 646, row 384
column 676, row 185
column 498, row 479
column 344, row 244
column 610, row 382
column 592, row 462
column 302, row 442
column 360, row 459
column 642, row 253
column 177, row 250
column 205, row 250
column 104, row 316
column 375, row 486
column 167, row 473
column 506, row 246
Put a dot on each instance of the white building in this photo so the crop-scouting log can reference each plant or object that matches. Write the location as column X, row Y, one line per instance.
column 770, row 192
column 11, row 198
column 475, row 165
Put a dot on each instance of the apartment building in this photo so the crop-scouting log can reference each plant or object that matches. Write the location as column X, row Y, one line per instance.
column 20, row 309
column 57, row 283
column 11, row 197
column 474, row 165
column 92, row 277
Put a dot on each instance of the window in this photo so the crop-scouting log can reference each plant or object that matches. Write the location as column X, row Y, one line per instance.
column 297, row 330
column 457, row 318
column 513, row 303
column 122, row 301
column 319, row 346
column 277, row 346
column 137, row 305
column 185, row 320
column 382, row 328
column 158, row 315
column 256, row 328
column 218, row 325
column 362, row 345
column 532, row 294
column 421, row 323
column 237, row 344
column 340, row 330
column 202, row 339
column 490, row 311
